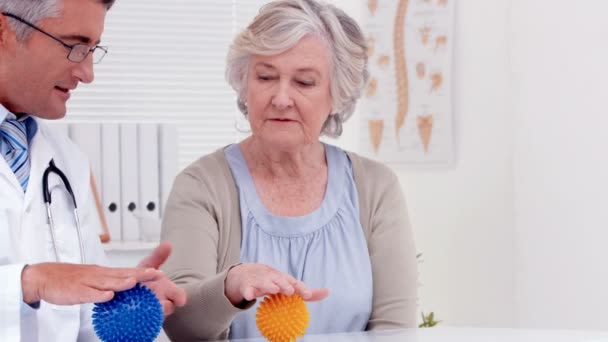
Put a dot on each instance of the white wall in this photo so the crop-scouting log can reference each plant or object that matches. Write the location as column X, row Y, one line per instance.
column 463, row 215
column 514, row 234
column 561, row 165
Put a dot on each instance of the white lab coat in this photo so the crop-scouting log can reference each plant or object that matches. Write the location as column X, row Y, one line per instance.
column 25, row 239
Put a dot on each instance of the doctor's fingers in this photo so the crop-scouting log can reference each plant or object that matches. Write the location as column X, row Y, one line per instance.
column 77, row 295
column 106, row 279
column 107, row 283
column 139, row 274
column 90, row 295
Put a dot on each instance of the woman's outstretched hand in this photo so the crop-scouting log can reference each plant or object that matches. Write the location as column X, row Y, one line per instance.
column 249, row 281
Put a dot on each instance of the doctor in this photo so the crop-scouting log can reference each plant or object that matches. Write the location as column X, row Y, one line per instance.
column 48, row 47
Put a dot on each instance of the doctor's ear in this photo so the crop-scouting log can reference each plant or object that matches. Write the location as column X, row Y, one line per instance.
column 3, row 28
column 7, row 34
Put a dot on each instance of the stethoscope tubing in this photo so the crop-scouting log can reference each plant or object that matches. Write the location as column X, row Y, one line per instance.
column 46, row 193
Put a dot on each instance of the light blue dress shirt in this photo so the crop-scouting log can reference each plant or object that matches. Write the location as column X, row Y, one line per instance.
column 326, row 248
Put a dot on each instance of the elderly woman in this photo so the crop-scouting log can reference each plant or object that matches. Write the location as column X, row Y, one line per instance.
column 282, row 212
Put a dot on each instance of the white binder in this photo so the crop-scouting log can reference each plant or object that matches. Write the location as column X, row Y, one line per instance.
column 110, row 179
column 149, row 192
column 168, row 161
column 129, row 175
column 88, row 137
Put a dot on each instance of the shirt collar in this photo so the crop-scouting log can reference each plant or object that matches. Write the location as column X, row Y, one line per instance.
column 4, row 113
column 31, row 125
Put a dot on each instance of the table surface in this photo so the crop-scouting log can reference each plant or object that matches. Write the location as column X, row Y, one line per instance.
column 444, row 334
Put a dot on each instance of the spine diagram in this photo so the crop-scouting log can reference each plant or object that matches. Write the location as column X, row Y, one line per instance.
column 401, row 66
column 375, row 132
column 425, row 128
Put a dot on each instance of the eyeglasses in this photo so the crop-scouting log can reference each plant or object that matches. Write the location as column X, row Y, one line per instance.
column 78, row 52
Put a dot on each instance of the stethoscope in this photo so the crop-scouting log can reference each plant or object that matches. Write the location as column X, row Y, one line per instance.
column 47, row 200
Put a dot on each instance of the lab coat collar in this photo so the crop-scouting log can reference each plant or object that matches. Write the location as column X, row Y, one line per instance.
column 9, row 176
column 41, row 153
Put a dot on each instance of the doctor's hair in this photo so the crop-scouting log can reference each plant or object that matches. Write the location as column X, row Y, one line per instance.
column 280, row 25
column 33, row 11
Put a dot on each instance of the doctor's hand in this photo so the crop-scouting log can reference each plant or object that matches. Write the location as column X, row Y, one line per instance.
column 249, row 281
column 68, row 284
column 167, row 292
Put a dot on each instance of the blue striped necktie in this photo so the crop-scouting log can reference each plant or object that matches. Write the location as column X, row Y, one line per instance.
column 17, row 157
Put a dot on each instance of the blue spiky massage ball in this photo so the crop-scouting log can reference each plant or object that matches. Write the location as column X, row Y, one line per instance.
column 132, row 315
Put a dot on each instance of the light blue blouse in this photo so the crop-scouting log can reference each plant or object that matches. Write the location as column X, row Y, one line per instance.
column 326, row 248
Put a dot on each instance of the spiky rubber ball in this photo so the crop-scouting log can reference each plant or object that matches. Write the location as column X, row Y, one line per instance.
column 133, row 315
column 282, row 318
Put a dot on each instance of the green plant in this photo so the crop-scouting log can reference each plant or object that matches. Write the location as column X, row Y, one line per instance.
column 428, row 321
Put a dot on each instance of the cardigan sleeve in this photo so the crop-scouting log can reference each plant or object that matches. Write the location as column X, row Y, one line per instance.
column 192, row 223
column 390, row 242
column 394, row 267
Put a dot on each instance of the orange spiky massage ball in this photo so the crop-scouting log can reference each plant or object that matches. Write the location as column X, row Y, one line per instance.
column 282, row 318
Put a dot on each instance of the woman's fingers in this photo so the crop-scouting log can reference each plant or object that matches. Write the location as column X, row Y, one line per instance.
column 269, row 287
column 284, row 285
column 302, row 290
column 258, row 280
column 318, row 294
column 177, row 296
column 308, row 294
column 249, row 293
column 168, row 307
column 261, row 287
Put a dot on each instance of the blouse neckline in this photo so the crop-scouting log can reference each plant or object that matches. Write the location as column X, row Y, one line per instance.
column 290, row 226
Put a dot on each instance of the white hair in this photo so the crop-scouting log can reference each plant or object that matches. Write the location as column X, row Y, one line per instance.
column 280, row 25
column 33, row 11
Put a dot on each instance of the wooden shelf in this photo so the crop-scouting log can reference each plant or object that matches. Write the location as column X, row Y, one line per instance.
column 128, row 246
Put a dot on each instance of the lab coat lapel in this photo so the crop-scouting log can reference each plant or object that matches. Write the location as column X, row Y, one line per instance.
column 41, row 154
column 9, row 177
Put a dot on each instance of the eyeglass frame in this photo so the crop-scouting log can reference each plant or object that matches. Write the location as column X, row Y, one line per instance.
column 90, row 50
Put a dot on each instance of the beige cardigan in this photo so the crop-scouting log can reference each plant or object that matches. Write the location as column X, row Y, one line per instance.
column 202, row 220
